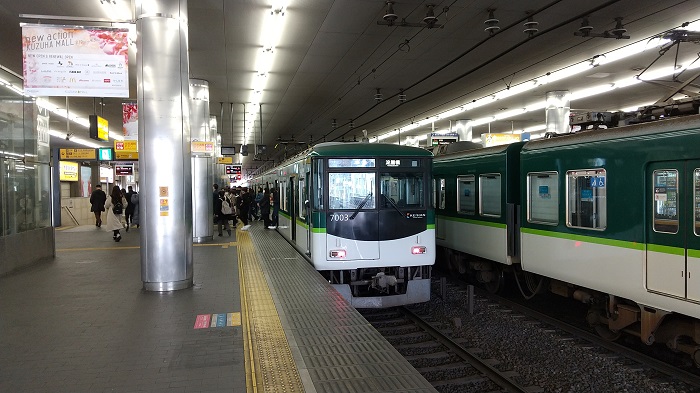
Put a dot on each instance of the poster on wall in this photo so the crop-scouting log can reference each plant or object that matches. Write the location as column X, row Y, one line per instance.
column 75, row 61
column 85, row 181
column 130, row 119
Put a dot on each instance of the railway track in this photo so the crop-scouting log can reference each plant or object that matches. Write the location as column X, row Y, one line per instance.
column 633, row 359
column 447, row 365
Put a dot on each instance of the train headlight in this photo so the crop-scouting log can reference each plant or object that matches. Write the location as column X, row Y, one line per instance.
column 338, row 254
column 416, row 250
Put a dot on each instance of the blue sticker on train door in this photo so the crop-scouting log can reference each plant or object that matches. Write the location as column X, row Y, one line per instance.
column 598, row 181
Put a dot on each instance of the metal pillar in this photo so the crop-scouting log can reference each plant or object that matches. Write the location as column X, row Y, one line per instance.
column 557, row 111
column 165, row 200
column 202, row 203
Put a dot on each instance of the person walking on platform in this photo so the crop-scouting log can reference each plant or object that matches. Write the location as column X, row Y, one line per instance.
column 222, row 212
column 134, row 201
column 115, row 206
column 129, row 213
column 97, row 204
column 265, row 208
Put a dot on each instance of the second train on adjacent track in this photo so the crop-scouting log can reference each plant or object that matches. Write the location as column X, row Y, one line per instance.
column 608, row 217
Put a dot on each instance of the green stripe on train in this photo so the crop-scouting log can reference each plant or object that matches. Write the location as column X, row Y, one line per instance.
column 666, row 249
column 474, row 222
column 430, row 226
column 587, row 239
column 318, row 230
column 693, row 253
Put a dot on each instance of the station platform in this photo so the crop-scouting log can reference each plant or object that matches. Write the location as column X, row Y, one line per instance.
column 258, row 319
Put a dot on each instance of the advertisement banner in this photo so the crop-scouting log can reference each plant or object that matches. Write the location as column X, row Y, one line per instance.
column 75, row 61
column 85, row 181
column 130, row 120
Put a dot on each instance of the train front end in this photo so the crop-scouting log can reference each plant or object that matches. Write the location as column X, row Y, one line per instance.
column 372, row 222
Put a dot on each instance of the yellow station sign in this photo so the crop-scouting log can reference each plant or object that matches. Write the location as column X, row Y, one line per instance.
column 77, row 154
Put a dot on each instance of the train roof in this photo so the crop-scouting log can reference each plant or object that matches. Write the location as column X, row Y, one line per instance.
column 363, row 149
column 691, row 123
column 476, row 151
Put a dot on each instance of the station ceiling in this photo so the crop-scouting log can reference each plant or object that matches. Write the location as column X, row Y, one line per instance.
column 333, row 58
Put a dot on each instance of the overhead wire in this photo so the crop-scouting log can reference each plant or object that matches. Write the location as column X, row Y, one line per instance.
column 487, row 62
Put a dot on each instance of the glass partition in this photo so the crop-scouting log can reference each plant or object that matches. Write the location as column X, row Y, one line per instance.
column 25, row 202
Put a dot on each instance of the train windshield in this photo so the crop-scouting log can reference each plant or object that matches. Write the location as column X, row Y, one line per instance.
column 404, row 189
column 353, row 190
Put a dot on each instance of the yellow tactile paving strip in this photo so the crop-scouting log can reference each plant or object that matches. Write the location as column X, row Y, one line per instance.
column 269, row 364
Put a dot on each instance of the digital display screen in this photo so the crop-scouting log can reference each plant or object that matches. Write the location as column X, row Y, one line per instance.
column 351, row 162
column 400, row 163
column 228, row 150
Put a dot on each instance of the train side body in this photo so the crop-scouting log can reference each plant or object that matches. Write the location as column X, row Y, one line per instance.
column 604, row 233
column 478, row 193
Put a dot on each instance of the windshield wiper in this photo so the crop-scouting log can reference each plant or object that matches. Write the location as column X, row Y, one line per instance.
column 393, row 204
column 361, row 205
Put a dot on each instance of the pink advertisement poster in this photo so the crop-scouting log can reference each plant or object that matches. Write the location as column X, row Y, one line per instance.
column 130, row 120
column 75, row 61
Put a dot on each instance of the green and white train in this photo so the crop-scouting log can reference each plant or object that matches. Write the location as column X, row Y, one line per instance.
column 361, row 213
column 608, row 217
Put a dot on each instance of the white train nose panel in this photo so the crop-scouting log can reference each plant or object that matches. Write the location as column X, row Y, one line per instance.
column 354, row 250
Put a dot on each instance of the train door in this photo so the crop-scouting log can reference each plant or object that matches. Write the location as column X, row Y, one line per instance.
column 673, row 228
column 293, row 203
column 439, row 203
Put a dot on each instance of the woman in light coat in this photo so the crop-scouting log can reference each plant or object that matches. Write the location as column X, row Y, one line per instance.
column 114, row 219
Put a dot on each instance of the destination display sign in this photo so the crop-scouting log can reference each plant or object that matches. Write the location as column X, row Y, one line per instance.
column 75, row 61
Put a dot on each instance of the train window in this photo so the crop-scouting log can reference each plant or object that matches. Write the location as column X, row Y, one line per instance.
column 403, row 189
column 283, row 196
column 441, row 194
column 665, row 200
column 586, row 202
column 696, row 199
column 317, row 184
column 351, row 190
column 490, row 194
column 434, row 194
column 543, row 198
column 301, row 210
column 466, row 194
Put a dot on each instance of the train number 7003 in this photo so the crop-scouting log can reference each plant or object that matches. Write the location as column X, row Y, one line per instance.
column 339, row 217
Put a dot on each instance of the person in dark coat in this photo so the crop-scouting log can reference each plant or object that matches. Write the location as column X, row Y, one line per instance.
column 134, row 201
column 97, row 204
column 129, row 212
column 265, row 207
column 275, row 196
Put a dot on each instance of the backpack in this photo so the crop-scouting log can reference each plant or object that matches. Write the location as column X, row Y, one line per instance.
column 117, row 208
column 225, row 207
